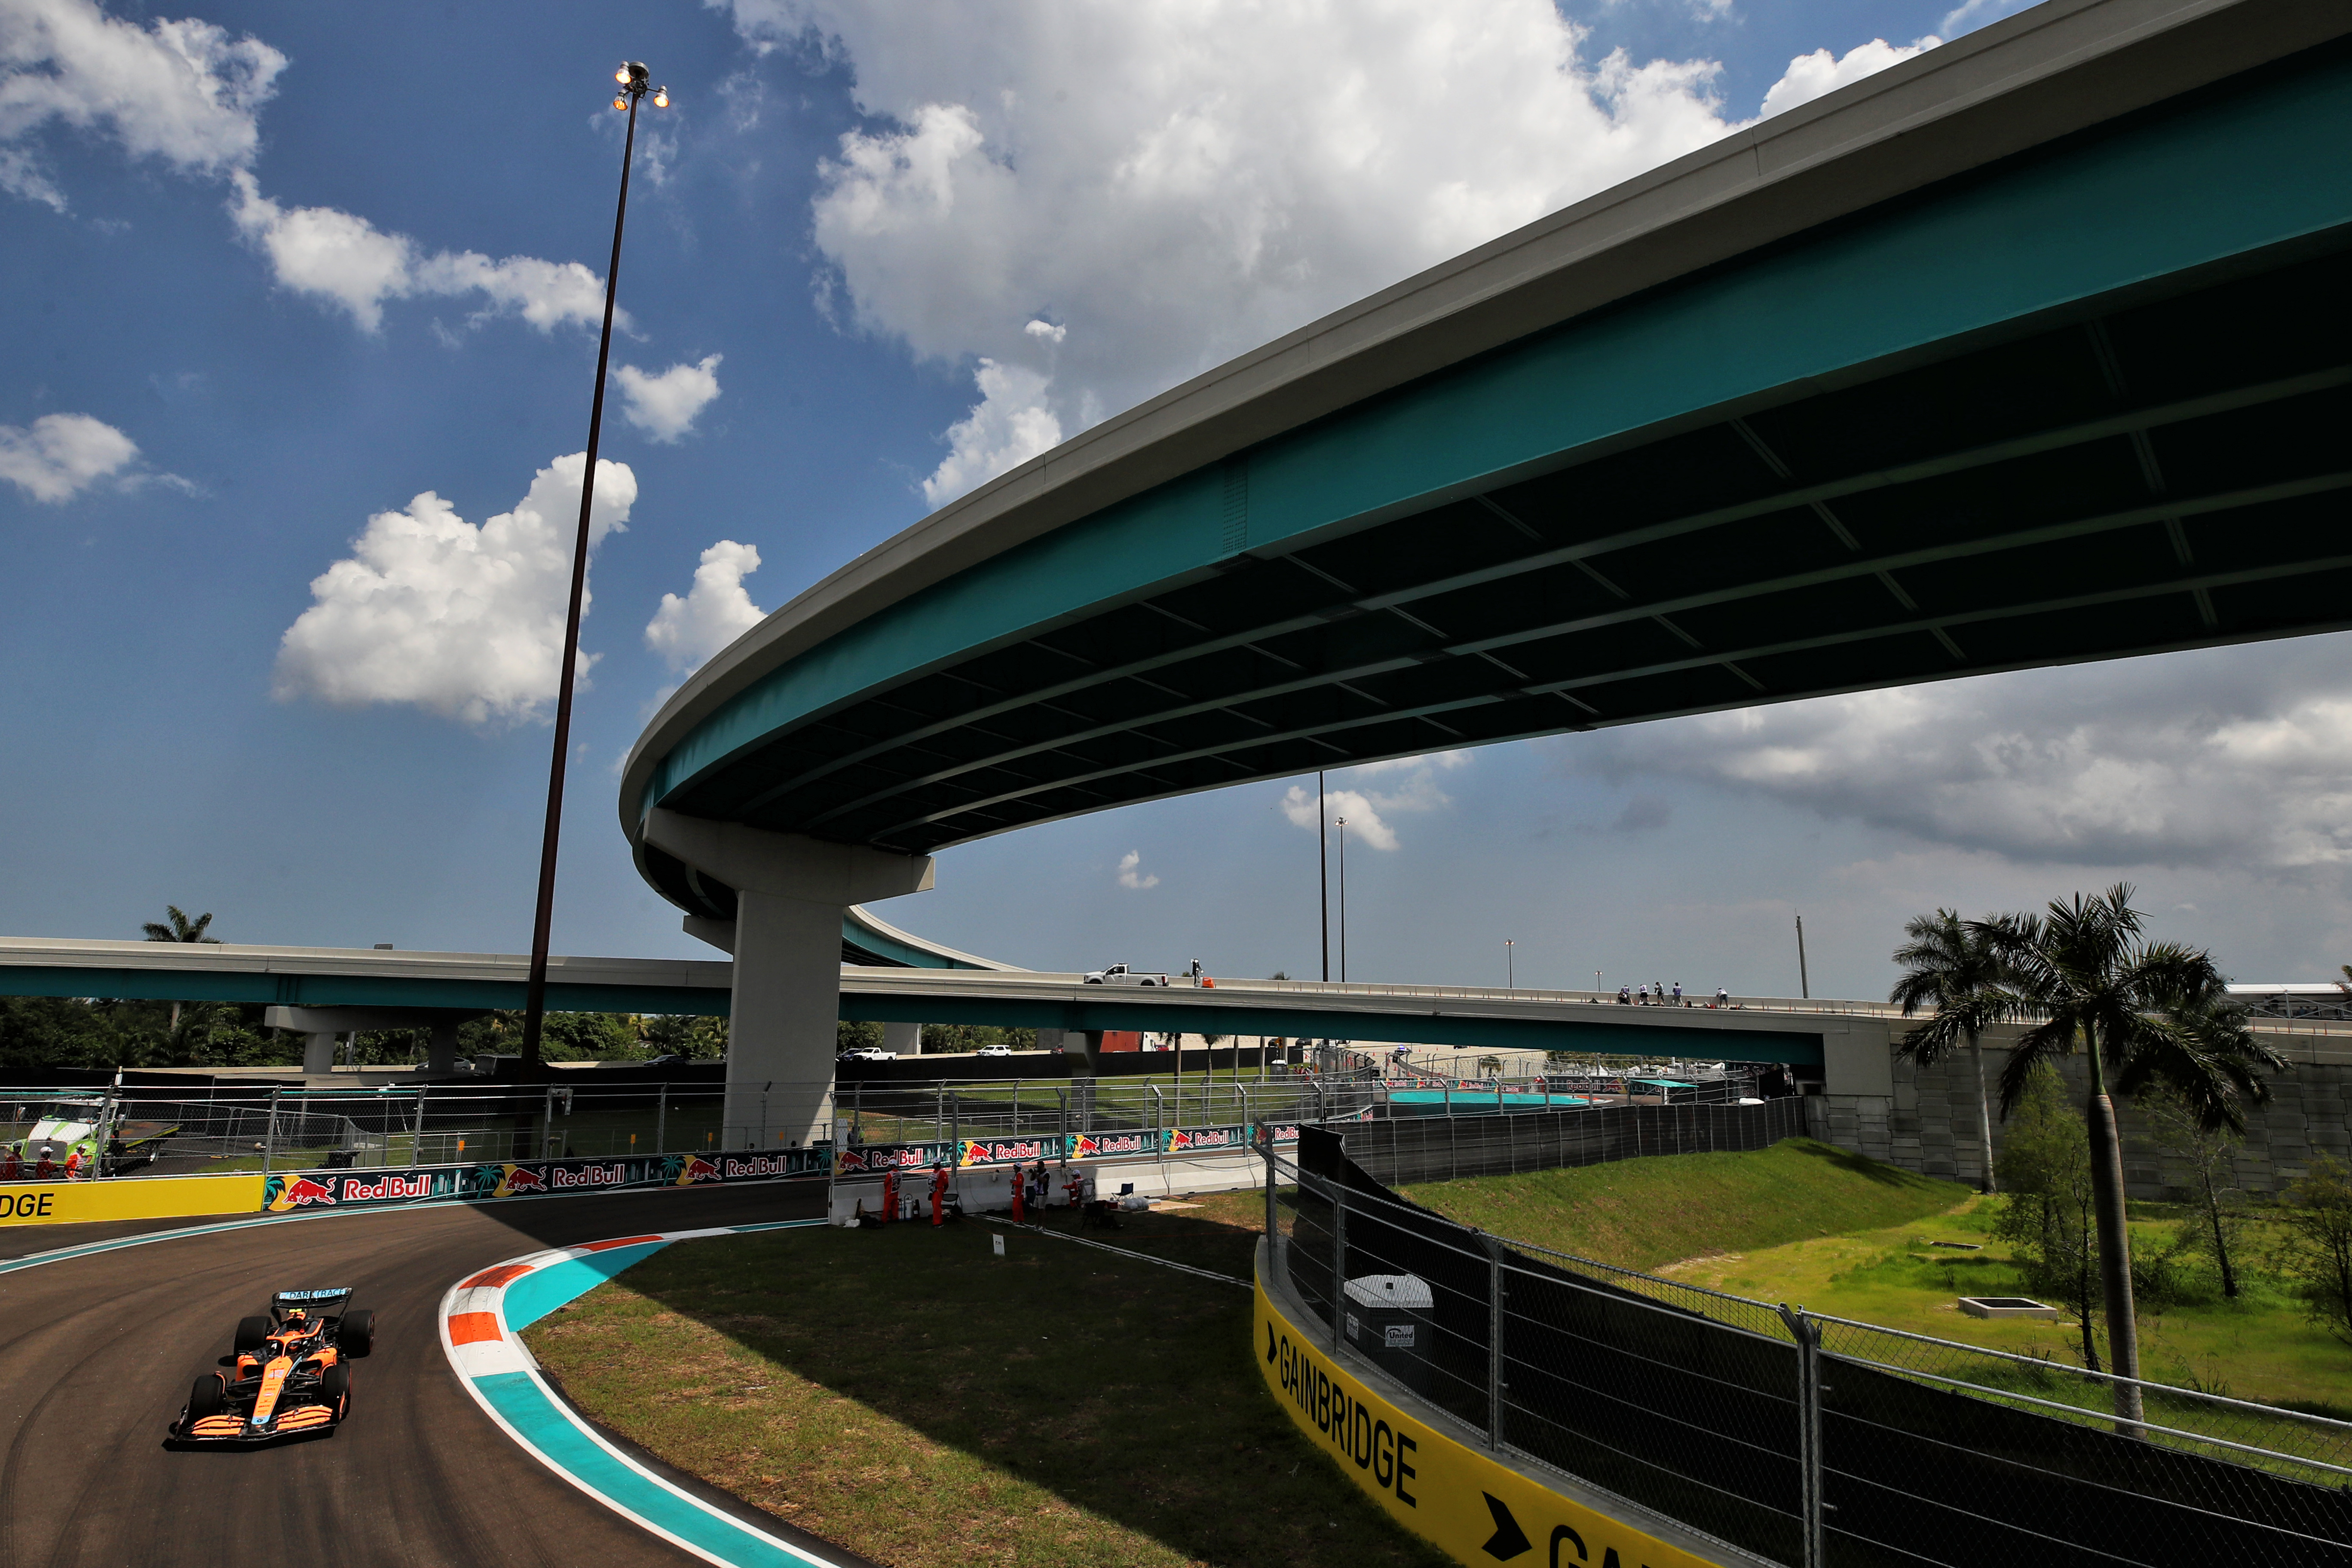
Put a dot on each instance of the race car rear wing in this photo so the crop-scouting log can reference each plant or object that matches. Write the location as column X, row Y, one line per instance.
column 310, row 1300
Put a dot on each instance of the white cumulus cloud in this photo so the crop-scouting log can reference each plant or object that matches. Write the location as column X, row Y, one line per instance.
column 715, row 611
column 462, row 621
column 1810, row 77
column 1368, row 811
column 346, row 261
column 1169, row 183
column 1104, row 197
column 666, row 405
column 189, row 94
column 61, row 455
column 1011, row 423
column 1130, row 871
column 2237, row 758
column 183, row 91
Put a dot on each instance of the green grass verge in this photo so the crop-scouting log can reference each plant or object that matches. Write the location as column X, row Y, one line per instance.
column 911, row 1396
column 2259, row 1347
column 1640, row 1214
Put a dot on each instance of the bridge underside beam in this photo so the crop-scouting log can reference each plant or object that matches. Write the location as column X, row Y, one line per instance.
column 2085, row 404
column 269, row 989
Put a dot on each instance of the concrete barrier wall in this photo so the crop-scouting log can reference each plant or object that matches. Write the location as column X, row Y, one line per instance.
column 1470, row 1504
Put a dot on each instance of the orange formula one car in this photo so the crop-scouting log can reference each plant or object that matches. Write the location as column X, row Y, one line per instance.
column 290, row 1372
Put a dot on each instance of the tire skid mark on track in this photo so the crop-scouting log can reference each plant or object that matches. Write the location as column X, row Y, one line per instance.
column 99, row 1340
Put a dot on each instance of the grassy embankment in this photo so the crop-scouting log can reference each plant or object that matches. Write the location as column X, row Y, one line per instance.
column 1641, row 1213
column 1817, row 1227
column 2257, row 1347
column 906, row 1394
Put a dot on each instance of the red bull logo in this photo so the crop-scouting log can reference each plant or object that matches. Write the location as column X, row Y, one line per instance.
column 302, row 1192
column 735, row 1166
column 612, row 1176
column 1002, row 1151
column 519, row 1179
column 699, row 1169
column 1096, row 1145
column 389, row 1188
column 1203, row 1138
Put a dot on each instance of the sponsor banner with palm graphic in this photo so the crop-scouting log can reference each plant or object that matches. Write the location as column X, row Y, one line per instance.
column 863, row 1159
column 287, row 1191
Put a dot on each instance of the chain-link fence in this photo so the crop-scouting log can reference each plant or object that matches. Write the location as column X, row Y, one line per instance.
column 1799, row 1438
column 115, row 1133
column 1402, row 1150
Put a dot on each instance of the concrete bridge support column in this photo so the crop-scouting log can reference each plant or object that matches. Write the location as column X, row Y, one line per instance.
column 790, row 892
column 318, row 1052
column 903, row 1039
column 441, row 1051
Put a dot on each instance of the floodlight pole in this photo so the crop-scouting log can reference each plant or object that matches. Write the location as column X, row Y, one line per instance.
column 633, row 87
column 1323, row 871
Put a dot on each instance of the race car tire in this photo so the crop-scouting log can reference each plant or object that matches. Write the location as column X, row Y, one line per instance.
column 208, row 1397
column 355, row 1335
column 252, row 1334
column 335, row 1387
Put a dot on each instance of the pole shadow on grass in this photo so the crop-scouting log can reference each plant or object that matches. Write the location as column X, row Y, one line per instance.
column 1125, row 1390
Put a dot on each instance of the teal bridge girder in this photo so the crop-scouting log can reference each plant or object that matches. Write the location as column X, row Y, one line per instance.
column 383, row 981
column 2083, row 401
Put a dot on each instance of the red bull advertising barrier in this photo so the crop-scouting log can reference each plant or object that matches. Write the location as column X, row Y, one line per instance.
column 863, row 1159
column 1139, row 1142
column 284, row 1192
column 1015, row 1151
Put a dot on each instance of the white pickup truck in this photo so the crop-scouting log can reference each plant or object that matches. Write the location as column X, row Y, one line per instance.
column 1120, row 974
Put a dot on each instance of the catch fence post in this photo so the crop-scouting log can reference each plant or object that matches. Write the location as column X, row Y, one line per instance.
column 955, row 1127
column 416, row 1138
column 1810, row 1505
column 1062, row 1123
column 661, row 1121
column 1494, row 1342
column 1273, row 1212
column 1338, row 1265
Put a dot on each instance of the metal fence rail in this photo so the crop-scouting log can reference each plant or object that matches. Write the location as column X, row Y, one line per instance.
column 128, row 1133
column 1799, row 1438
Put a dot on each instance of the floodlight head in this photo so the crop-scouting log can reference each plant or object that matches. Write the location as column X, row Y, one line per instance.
column 620, row 101
column 661, row 97
column 637, row 69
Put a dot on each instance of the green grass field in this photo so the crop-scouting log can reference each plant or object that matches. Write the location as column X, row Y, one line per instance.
column 908, row 1394
column 1642, row 1213
column 2258, row 1347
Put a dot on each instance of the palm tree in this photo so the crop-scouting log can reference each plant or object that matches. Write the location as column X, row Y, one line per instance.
column 1949, row 966
column 2143, row 1013
column 182, row 929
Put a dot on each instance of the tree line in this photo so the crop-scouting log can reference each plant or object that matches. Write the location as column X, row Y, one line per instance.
column 2153, row 1022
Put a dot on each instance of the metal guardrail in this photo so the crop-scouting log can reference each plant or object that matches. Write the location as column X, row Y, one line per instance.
column 1803, row 1438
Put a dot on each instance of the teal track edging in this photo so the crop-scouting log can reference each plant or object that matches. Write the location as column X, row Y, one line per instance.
column 504, row 1378
column 532, row 1415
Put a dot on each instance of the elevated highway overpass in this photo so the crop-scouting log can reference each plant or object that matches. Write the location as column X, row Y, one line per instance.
column 2032, row 349
column 323, row 991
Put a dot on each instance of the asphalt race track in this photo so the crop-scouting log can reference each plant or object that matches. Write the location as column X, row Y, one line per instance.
column 97, row 1355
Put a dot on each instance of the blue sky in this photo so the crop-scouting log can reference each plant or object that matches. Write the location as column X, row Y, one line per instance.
column 312, row 262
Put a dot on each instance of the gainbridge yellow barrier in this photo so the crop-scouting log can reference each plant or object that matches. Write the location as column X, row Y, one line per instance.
column 1477, row 1510
column 151, row 1197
